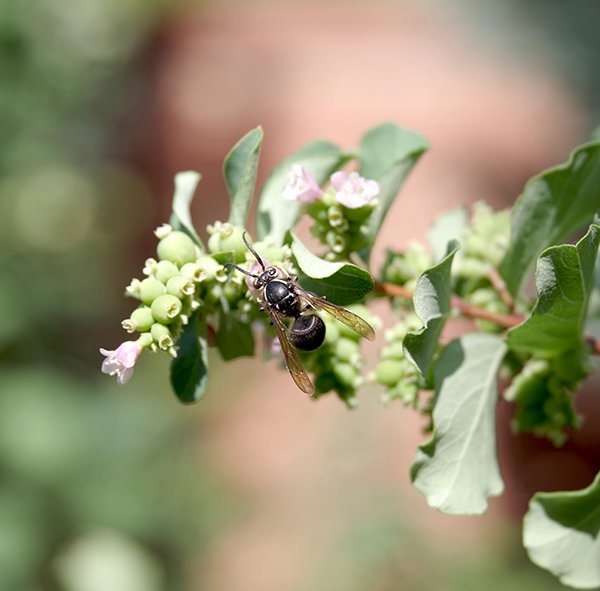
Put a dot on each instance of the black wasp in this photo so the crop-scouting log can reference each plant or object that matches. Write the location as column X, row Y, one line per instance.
column 280, row 295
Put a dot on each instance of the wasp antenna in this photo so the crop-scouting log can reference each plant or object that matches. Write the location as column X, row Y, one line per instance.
column 240, row 270
column 260, row 261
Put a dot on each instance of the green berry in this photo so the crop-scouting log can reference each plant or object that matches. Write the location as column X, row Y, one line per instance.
column 161, row 335
column 208, row 267
column 333, row 331
column 190, row 271
column 232, row 291
column 142, row 318
column 166, row 308
column 180, row 286
column 388, row 373
column 150, row 289
column 345, row 373
column 394, row 350
column 226, row 237
column 346, row 350
column 177, row 247
column 145, row 340
column 165, row 270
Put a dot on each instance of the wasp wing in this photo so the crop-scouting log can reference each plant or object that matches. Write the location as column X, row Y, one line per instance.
column 291, row 356
column 356, row 323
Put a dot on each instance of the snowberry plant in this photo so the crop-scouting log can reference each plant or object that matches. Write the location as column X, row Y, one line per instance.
column 197, row 294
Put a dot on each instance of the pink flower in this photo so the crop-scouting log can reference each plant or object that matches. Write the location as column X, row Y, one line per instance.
column 121, row 361
column 301, row 186
column 352, row 190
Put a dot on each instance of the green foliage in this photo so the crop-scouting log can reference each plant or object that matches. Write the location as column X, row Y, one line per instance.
column 432, row 305
column 554, row 205
column 240, row 167
column 341, row 283
column 189, row 370
column 457, row 469
column 543, row 399
column 275, row 216
column 234, row 337
column 387, row 153
column 561, row 533
column 185, row 187
column 539, row 346
column 564, row 280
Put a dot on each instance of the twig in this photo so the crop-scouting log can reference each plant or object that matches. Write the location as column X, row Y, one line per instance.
column 499, row 285
column 470, row 311
column 463, row 307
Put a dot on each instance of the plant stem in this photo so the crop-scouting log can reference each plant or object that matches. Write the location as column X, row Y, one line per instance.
column 470, row 311
column 463, row 307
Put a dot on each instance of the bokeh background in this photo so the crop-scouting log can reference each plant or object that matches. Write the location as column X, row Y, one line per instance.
column 255, row 487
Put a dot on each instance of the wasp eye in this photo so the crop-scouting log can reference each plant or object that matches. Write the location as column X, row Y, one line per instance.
column 272, row 271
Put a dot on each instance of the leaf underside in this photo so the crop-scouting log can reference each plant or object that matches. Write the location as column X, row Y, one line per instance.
column 457, row 470
column 239, row 168
column 561, row 532
column 185, row 187
column 432, row 305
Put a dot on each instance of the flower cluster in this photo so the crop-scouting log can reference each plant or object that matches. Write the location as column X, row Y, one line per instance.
column 401, row 379
column 339, row 363
column 184, row 279
column 542, row 394
column 405, row 267
column 166, row 300
column 483, row 245
column 340, row 212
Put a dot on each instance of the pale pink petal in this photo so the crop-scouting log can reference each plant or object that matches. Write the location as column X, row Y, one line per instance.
column 352, row 190
column 121, row 361
column 301, row 186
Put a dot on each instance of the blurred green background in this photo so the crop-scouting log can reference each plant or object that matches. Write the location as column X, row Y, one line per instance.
column 114, row 488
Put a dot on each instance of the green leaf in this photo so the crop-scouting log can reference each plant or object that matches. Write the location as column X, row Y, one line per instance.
column 234, row 337
column 553, row 206
column 387, row 153
column 432, row 305
column 340, row 283
column 564, row 279
column 240, row 168
column 185, row 186
column 561, row 532
column 447, row 226
column 275, row 215
column 189, row 370
column 457, row 470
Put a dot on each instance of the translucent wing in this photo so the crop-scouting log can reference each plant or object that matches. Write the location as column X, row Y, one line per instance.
column 356, row 323
column 291, row 356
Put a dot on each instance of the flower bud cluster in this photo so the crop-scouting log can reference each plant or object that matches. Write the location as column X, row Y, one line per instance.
column 167, row 292
column 483, row 247
column 183, row 279
column 401, row 379
column 341, row 212
column 338, row 364
column 405, row 268
column 541, row 392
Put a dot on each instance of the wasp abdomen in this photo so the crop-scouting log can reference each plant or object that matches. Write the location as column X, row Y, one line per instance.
column 307, row 332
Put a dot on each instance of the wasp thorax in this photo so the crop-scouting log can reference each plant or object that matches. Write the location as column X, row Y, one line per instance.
column 307, row 332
